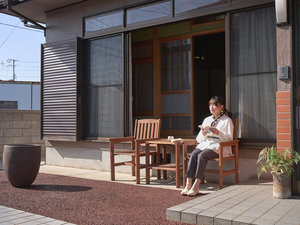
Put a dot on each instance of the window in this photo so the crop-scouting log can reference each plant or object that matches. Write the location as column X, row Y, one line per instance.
column 103, row 100
column 176, row 85
column 253, row 72
column 148, row 12
column 104, row 21
column 8, row 105
column 187, row 5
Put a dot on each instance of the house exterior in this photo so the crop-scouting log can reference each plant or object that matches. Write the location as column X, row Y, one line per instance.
column 21, row 95
column 106, row 63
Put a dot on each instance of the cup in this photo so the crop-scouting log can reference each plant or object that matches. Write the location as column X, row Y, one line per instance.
column 170, row 138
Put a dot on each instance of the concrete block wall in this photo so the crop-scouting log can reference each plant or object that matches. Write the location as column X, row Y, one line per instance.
column 20, row 127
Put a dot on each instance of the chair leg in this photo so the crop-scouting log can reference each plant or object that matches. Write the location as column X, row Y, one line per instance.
column 220, row 180
column 165, row 160
column 221, row 176
column 184, row 162
column 112, row 161
column 147, row 165
column 158, row 174
column 133, row 159
column 236, row 164
column 137, row 164
column 236, row 177
column 112, row 173
column 137, row 171
column 133, row 167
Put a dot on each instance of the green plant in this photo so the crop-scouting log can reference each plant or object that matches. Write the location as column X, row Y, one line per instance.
column 271, row 160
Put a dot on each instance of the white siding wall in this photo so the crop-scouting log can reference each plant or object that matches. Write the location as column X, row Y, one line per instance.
column 21, row 92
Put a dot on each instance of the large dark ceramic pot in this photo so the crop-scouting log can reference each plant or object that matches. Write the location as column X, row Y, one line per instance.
column 21, row 164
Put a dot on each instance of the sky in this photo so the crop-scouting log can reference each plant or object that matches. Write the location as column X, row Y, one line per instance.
column 21, row 45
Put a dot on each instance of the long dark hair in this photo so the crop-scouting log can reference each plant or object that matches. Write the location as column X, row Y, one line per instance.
column 217, row 100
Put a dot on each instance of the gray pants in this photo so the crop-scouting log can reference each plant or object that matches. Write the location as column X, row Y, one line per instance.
column 198, row 161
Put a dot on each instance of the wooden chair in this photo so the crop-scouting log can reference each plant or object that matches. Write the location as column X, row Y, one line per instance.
column 144, row 129
column 235, row 157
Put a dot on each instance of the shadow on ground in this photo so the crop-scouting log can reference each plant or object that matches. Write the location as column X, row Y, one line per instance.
column 64, row 188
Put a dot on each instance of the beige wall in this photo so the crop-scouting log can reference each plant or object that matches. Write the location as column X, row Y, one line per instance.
column 67, row 23
column 20, row 127
column 284, row 54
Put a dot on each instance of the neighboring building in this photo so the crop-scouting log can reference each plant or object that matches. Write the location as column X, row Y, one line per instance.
column 21, row 95
column 106, row 63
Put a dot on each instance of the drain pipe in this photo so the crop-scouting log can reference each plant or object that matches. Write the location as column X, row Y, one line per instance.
column 25, row 19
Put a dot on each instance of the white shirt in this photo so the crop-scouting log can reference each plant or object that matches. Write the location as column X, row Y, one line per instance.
column 225, row 126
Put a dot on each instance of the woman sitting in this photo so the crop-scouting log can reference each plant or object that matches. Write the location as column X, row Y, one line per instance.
column 216, row 128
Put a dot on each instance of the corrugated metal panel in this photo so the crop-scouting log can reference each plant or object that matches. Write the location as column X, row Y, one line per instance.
column 59, row 91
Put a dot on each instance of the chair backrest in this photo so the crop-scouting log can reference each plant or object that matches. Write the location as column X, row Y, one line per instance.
column 147, row 128
column 236, row 126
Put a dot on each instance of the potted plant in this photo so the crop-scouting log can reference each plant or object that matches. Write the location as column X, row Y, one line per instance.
column 281, row 166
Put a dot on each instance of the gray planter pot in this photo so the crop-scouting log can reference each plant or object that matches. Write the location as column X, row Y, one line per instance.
column 281, row 185
column 21, row 164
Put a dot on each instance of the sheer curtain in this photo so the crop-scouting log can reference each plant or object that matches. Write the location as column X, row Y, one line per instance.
column 253, row 72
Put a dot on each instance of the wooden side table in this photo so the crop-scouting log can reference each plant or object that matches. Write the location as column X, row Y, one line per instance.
column 184, row 143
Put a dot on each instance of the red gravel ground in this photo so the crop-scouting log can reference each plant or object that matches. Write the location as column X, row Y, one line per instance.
column 83, row 201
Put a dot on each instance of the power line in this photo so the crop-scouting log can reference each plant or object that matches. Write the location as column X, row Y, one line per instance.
column 35, row 70
column 29, row 62
column 9, row 35
column 9, row 25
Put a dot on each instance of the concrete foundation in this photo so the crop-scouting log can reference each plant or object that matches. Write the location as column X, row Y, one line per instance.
column 95, row 155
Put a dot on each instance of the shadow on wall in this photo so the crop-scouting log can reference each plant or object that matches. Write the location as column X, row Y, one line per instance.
column 249, row 127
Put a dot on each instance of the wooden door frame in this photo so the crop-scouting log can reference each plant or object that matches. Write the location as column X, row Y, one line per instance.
column 192, row 92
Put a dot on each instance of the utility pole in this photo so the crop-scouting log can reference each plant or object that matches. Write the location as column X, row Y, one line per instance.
column 13, row 61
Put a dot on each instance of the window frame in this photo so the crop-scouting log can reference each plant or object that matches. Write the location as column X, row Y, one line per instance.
column 198, row 12
column 190, row 91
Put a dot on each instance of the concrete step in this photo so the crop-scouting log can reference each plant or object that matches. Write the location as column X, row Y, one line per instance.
column 238, row 204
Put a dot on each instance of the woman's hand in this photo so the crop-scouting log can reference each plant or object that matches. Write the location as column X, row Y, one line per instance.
column 214, row 130
column 203, row 132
